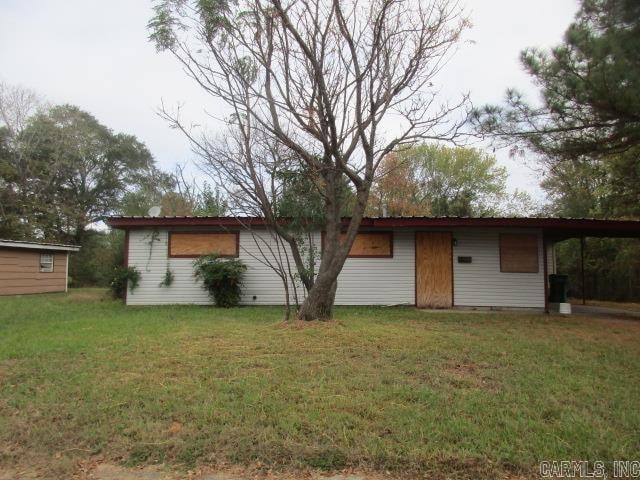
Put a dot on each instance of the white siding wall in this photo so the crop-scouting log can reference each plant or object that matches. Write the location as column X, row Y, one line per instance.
column 153, row 265
column 363, row 281
column 481, row 284
column 380, row 281
column 260, row 280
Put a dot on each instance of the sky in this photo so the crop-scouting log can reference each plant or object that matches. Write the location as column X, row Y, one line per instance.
column 95, row 54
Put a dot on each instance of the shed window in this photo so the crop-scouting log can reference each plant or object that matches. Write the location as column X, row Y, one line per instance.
column 46, row 262
column 195, row 244
column 371, row 245
column 519, row 253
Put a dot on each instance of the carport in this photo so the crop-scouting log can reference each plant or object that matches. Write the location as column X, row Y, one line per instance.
column 560, row 229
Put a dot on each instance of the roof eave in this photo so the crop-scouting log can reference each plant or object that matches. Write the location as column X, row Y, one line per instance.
column 38, row 246
column 554, row 228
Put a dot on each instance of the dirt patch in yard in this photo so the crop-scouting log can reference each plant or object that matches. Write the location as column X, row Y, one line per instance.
column 94, row 470
column 295, row 324
column 470, row 375
column 91, row 470
column 113, row 472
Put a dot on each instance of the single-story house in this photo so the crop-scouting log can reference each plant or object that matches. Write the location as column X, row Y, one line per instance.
column 436, row 262
column 32, row 267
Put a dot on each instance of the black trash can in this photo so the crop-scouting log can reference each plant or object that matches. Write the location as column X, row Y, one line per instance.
column 558, row 288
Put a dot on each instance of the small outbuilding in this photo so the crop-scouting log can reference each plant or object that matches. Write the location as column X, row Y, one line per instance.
column 32, row 267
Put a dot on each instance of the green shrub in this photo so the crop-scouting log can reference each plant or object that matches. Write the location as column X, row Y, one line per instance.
column 121, row 277
column 222, row 278
column 168, row 278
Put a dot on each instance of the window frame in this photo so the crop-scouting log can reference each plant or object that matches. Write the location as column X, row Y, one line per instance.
column 501, row 247
column 195, row 232
column 42, row 269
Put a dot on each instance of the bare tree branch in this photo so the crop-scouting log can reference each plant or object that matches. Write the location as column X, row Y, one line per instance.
column 323, row 86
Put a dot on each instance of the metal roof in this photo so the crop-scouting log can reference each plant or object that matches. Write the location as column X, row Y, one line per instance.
column 553, row 227
column 38, row 245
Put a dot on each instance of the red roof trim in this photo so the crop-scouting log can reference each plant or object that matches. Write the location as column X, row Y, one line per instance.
column 525, row 222
column 552, row 226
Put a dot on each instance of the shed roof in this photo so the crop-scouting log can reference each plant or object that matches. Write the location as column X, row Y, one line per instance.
column 554, row 228
column 38, row 245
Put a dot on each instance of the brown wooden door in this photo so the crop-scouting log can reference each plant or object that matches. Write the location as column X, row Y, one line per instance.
column 434, row 276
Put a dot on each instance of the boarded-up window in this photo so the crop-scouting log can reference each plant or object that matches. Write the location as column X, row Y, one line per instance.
column 518, row 253
column 192, row 244
column 373, row 244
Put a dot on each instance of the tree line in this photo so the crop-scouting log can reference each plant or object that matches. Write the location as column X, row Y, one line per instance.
column 62, row 172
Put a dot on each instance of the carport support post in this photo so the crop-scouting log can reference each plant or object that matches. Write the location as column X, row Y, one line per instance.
column 584, row 296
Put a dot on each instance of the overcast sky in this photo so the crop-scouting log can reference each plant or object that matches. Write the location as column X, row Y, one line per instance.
column 95, row 54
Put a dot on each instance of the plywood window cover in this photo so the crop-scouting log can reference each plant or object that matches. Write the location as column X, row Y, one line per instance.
column 389, row 235
column 196, row 255
column 530, row 247
column 46, row 263
column 386, row 255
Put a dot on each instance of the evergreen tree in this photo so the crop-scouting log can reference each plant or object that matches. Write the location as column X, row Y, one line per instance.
column 589, row 87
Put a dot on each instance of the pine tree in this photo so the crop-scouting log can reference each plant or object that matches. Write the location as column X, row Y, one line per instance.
column 589, row 87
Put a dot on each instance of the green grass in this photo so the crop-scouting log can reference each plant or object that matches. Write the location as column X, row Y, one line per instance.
column 394, row 389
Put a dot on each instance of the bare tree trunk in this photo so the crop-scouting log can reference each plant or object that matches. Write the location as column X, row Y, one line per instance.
column 319, row 302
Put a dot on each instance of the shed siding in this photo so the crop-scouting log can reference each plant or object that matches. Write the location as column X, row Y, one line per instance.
column 481, row 284
column 20, row 272
column 363, row 281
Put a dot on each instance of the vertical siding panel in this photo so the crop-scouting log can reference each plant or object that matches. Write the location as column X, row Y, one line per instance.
column 551, row 258
column 434, row 272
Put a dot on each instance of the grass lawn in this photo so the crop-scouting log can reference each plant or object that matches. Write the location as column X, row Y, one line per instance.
column 397, row 389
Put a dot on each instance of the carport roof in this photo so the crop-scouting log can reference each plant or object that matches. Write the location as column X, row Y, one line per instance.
column 554, row 228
